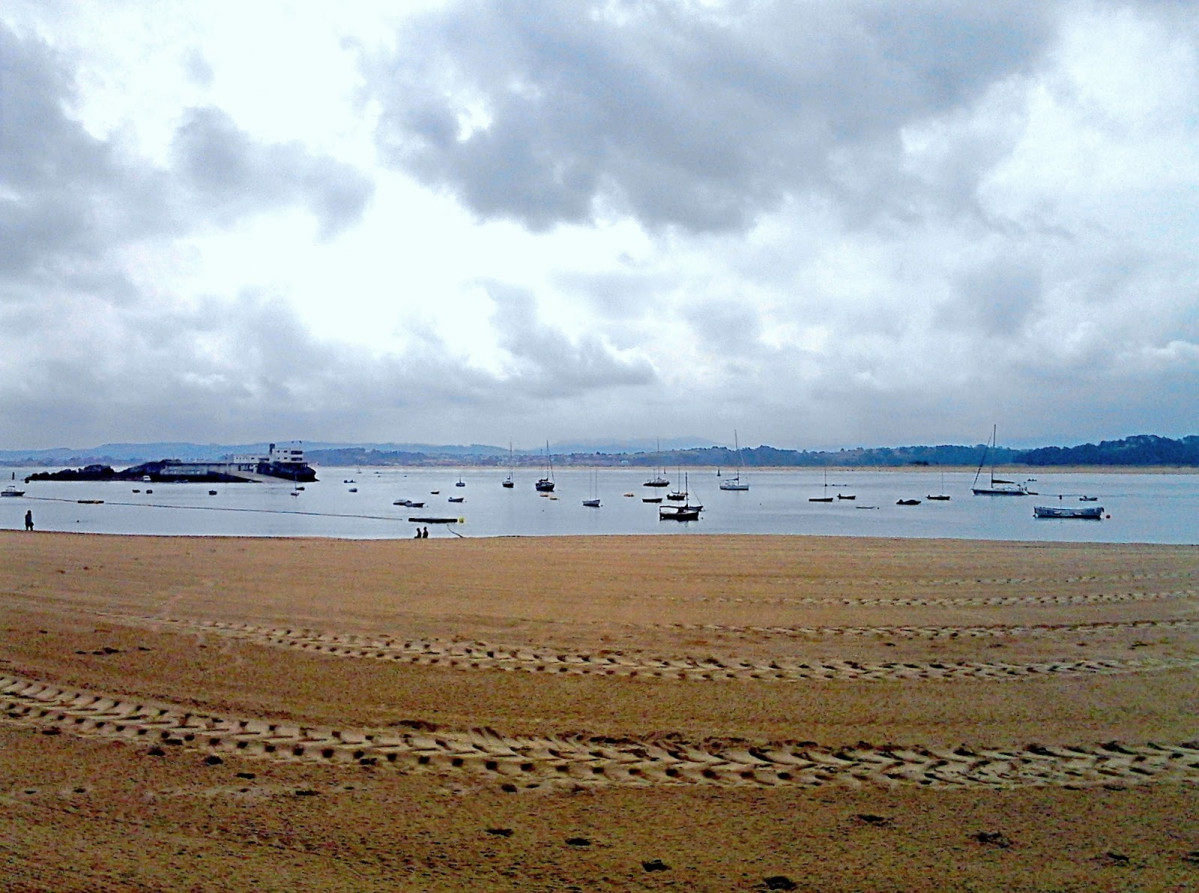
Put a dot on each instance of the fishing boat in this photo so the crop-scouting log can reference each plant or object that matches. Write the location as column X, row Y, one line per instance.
column 1087, row 512
column 11, row 490
column 996, row 486
column 735, row 482
column 545, row 484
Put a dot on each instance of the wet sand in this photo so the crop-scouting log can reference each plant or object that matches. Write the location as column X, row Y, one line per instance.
column 623, row 713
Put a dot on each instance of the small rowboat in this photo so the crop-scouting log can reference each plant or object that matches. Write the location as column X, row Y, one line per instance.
column 1090, row 512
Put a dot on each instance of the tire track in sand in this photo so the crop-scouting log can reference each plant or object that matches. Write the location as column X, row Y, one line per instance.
column 916, row 601
column 484, row 656
column 574, row 760
column 944, row 632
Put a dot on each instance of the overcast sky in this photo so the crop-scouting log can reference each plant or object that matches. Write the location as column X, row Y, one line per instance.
column 822, row 224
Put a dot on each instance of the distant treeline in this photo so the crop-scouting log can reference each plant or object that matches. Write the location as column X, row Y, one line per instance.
column 1143, row 449
column 1139, row 450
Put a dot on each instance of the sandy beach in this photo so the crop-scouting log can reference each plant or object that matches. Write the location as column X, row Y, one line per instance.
column 617, row 713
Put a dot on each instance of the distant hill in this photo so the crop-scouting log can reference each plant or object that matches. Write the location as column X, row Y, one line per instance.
column 1142, row 449
column 1138, row 450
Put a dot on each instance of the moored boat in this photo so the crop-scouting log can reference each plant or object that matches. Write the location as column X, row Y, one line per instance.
column 996, row 486
column 1087, row 512
column 545, row 484
column 735, row 482
column 678, row 513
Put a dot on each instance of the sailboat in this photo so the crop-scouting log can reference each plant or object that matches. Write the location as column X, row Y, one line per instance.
column 825, row 497
column 735, row 482
column 942, row 496
column 685, row 512
column 678, row 495
column 659, row 480
column 545, row 484
column 593, row 502
column 996, row 486
column 508, row 483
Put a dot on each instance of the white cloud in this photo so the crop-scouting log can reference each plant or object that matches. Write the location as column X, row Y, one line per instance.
column 820, row 223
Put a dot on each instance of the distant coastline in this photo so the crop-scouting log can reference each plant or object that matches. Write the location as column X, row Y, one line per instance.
column 1140, row 452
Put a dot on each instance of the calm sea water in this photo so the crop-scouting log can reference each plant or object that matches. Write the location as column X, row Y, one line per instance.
column 1149, row 508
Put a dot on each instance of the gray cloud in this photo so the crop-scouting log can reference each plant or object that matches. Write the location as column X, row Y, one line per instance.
column 231, row 175
column 547, row 363
column 852, row 222
column 554, row 113
column 66, row 197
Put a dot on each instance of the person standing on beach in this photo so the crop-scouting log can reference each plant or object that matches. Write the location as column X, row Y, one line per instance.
column 29, row 519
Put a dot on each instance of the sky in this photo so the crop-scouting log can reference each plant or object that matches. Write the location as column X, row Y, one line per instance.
column 815, row 223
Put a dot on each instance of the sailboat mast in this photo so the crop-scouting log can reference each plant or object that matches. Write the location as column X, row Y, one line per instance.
column 983, row 460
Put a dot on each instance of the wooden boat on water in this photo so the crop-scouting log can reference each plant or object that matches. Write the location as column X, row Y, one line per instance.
column 1085, row 512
